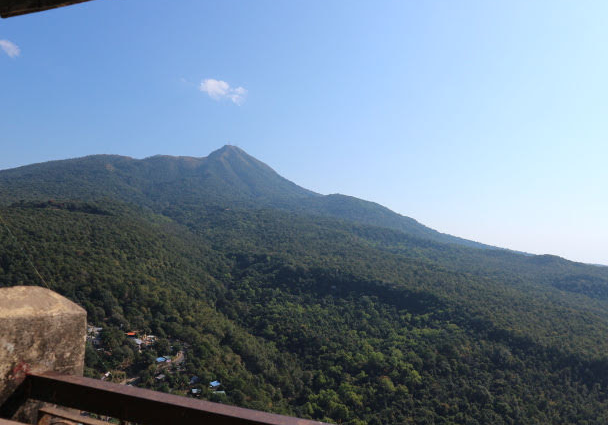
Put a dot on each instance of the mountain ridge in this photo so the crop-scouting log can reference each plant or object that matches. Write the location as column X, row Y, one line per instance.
column 227, row 176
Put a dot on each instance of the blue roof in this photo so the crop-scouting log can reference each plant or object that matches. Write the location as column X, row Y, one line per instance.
column 215, row 383
column 160, row 359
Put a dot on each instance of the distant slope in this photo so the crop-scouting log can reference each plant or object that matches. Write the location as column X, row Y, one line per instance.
column 365, row 212
column 228, row 177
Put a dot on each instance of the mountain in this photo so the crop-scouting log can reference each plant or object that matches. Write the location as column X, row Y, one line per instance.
column 324, row 307
column 228, row 177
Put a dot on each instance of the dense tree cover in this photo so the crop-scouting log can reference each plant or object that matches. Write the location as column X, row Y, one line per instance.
column 147, row 275
column 483, row 290
column 324, row 307
column 316, row 317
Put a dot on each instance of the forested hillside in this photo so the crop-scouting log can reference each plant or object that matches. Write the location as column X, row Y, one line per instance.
column 227, row 177
column 321, row 312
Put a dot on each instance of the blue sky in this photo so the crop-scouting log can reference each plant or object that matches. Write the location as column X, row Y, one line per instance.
column 482, row 119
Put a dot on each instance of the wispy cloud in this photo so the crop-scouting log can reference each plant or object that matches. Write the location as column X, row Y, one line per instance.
column 10, row 48
column 218, row 89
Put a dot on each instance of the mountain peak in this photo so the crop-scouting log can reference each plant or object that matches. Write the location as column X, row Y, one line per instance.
column 228, row 150
column 234, row 158
column 247, row 175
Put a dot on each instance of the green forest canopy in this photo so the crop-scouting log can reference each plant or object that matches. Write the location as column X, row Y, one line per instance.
column 311, row 314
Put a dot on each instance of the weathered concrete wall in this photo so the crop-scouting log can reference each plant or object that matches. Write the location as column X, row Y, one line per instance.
column 39, row 331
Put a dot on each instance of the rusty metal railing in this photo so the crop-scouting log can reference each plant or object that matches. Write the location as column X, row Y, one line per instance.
column 7, row 422
column 141, row 406
column 49, row 415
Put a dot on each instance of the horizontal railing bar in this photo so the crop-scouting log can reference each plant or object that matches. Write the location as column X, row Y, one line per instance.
column 7, row 422
column 64, row 414
column 144, row 406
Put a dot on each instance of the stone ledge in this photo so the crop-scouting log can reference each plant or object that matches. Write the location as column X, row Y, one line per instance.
column 40, row 331
column 34, row 301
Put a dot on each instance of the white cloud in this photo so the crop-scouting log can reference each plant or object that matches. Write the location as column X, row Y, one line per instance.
column 218, row 89
column 10, row 48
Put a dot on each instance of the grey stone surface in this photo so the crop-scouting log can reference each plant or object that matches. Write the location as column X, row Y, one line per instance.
column 39, row 331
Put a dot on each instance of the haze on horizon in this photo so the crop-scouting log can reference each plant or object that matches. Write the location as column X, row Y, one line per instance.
column 484, row 121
